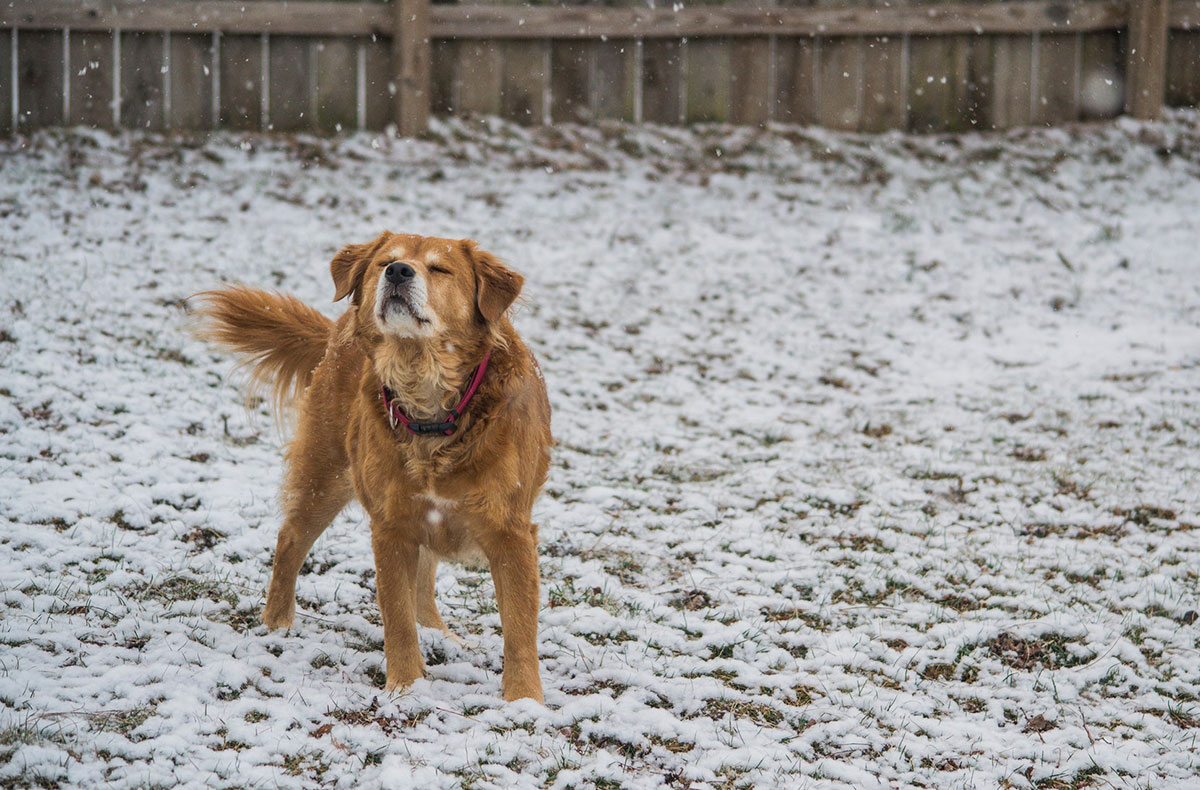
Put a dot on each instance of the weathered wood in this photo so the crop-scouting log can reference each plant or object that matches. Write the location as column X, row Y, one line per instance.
column 290, row 91
column 795, row 99
column 662, row 82
column 1057, row 79
column 570, row 81
column 411, row 62
column 39, row 78
column 466, row 21
column 201, row 16
column 90, row 79
column 378, row 87
column 443, row 76
column 480, row 77
column 1101, row 76
column 750, row 80
column 241, row 82
column 1012, row 83
column 337, row 84
column 142, row 99
column 1183, row 69
column 707, row 81
column 191, row 81
column 615, row 75
column 839, row 77
column 590, row 22
column 1145, row 72
column 524, row 82
column 981, row 83
column 883, row 99
column 938, row 91
column 1185, row 15
column 6, row 81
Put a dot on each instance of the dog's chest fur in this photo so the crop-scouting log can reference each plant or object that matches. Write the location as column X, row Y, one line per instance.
column 445, row 532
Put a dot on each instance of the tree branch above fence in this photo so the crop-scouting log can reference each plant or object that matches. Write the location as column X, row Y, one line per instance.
column 519, row 22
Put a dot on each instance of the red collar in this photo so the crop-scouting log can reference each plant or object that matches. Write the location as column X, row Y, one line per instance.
column 395, row 415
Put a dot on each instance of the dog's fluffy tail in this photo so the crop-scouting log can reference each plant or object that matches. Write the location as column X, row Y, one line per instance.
column 283, row 339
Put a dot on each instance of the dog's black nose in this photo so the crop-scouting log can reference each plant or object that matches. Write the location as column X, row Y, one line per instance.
column 398, row 272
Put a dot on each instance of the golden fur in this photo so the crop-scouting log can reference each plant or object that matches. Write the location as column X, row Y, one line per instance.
column 464, row 497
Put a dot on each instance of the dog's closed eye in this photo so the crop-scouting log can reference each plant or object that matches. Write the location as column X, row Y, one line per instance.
column 440, row 270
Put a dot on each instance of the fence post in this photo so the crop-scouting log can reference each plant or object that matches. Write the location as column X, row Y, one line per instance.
column 1146, row 68
column 410, row 66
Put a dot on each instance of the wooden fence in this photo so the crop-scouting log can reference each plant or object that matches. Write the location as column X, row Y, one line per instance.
column 325, row 67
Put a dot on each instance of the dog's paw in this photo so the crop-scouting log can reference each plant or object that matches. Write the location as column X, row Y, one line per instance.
column 458, row 640
column 275, row 620
column 523, row 690
column 401, row 683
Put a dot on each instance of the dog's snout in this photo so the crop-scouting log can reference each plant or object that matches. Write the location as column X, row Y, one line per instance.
column 398, row 273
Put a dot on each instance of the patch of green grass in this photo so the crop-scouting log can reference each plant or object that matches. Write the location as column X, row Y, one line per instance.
column 123, row 722
column 756, row 712
column 1046, row 652
column 370, row 716
column 306, row 764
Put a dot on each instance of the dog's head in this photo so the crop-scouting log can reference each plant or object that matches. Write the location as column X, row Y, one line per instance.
column 425, row 289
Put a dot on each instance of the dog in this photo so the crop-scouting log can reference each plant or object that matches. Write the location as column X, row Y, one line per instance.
column 422, row 402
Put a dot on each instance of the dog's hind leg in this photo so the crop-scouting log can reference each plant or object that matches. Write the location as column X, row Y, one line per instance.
column 317, row 486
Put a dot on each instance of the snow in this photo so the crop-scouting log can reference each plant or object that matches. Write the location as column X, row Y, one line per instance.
column 876, row 462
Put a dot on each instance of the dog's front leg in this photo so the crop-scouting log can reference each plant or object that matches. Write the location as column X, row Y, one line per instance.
column 395, row 569
column 512, row 555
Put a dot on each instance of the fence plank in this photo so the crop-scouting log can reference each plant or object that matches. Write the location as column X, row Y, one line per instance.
column 337, row 84
column 6, row 81
column 1145, row 72
column 443, row 69
column 1057, row 79
column 39, row 78
column 290, row 93
column 615, row 80
column 1012, row 81
column 1101, row 76
column 883, row 101
column 570, row 81
column 91, row 79
column 750, row 80
column 938, row 93
column 981, row 85
column 466, row 21
column 1185, row 14
column 839, row 70
column 662, row 82
column 142, row 105
column 795, row 67
column 1183, row 69
column 191, row 81
column 480, row 77
column 707, row 80
column 411, row 65
column 523, row 86
column 241, row 82
column 377, row 68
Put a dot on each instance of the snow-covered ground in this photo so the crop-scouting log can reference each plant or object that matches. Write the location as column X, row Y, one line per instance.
column 877, row 463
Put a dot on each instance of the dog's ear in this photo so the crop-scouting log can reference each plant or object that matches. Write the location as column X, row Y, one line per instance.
column 348, row 267
column 496, row 285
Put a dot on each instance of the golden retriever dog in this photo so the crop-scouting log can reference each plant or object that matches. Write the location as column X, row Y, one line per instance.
column 422, row 402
